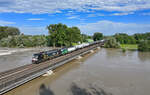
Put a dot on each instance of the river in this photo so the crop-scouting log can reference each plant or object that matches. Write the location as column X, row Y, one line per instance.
column 104, row 72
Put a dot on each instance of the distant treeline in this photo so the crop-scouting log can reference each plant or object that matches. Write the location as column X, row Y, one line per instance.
column 141, row 39
column 123, row 38
column 12, row 37
column 24, row 41
column 62, row 35
column 59, row 35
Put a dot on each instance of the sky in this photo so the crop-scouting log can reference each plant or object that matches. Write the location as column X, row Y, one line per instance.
column 105, row 16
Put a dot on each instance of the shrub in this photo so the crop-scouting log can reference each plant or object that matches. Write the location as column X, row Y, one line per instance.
column 111, row 43
column 144, row 45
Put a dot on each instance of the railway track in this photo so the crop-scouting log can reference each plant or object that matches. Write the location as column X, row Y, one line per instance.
column 13, row 70
column 15, row 75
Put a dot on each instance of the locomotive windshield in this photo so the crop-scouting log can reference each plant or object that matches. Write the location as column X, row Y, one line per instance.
column 35, row 56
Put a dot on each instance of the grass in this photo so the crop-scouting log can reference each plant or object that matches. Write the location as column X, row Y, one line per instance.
column 74, row 44
column 129, row 46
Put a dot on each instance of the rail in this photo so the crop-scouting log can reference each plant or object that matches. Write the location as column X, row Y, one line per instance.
column 16, row 77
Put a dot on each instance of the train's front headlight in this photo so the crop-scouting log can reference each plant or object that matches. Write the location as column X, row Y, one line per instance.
column 34, row 59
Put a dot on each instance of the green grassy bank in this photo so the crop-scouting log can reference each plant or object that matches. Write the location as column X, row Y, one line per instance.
column 129, row 46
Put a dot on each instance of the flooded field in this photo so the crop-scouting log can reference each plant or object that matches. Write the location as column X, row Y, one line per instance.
column 105, row 72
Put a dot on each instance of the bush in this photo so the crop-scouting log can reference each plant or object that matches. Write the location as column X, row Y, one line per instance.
column 111, row 43
column 123, row 50
column 144, row 45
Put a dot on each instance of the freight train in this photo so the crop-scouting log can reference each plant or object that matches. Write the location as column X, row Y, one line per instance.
column 47, row 55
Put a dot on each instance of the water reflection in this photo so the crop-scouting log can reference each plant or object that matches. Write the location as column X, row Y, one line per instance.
column 76, row 90
column 45, row 91
column 144, row 56
column 113, row 53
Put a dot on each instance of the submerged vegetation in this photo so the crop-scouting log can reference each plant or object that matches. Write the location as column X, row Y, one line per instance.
column 124, row 50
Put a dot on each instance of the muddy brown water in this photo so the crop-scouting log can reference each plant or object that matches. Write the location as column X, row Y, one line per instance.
column 17, row 59
column 104, row 72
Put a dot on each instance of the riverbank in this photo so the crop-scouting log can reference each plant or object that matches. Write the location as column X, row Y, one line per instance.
column 129, row 46
column 8, row 51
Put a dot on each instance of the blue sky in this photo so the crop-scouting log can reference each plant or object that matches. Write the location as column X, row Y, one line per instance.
column 106, row 16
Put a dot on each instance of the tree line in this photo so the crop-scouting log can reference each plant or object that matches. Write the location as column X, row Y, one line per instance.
column 123, row 38
column 141, row 39
column 62, row 35
column 24, row 41
column 59, row 35
column 12, row 37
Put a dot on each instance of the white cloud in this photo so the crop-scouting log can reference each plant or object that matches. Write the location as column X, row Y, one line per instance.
column 35, row 19
column 95, row 15
column 109, row 27
column 121, row 14
column 73, row 17
column 55, row 6
column 113, row 14
column 6, row 22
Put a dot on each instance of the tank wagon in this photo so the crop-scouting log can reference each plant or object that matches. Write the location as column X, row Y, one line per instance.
column 71, row 49
column 47, row 55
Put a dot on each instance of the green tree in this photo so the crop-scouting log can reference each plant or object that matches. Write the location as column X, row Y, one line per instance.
column 144, row 45
column 142, row 36
column 73, row 35
column 57, row 34
column 97, row 36
column 6, row 31
column 111, row 43
column 12, row 31
column 61, row 35
column 123, row 38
